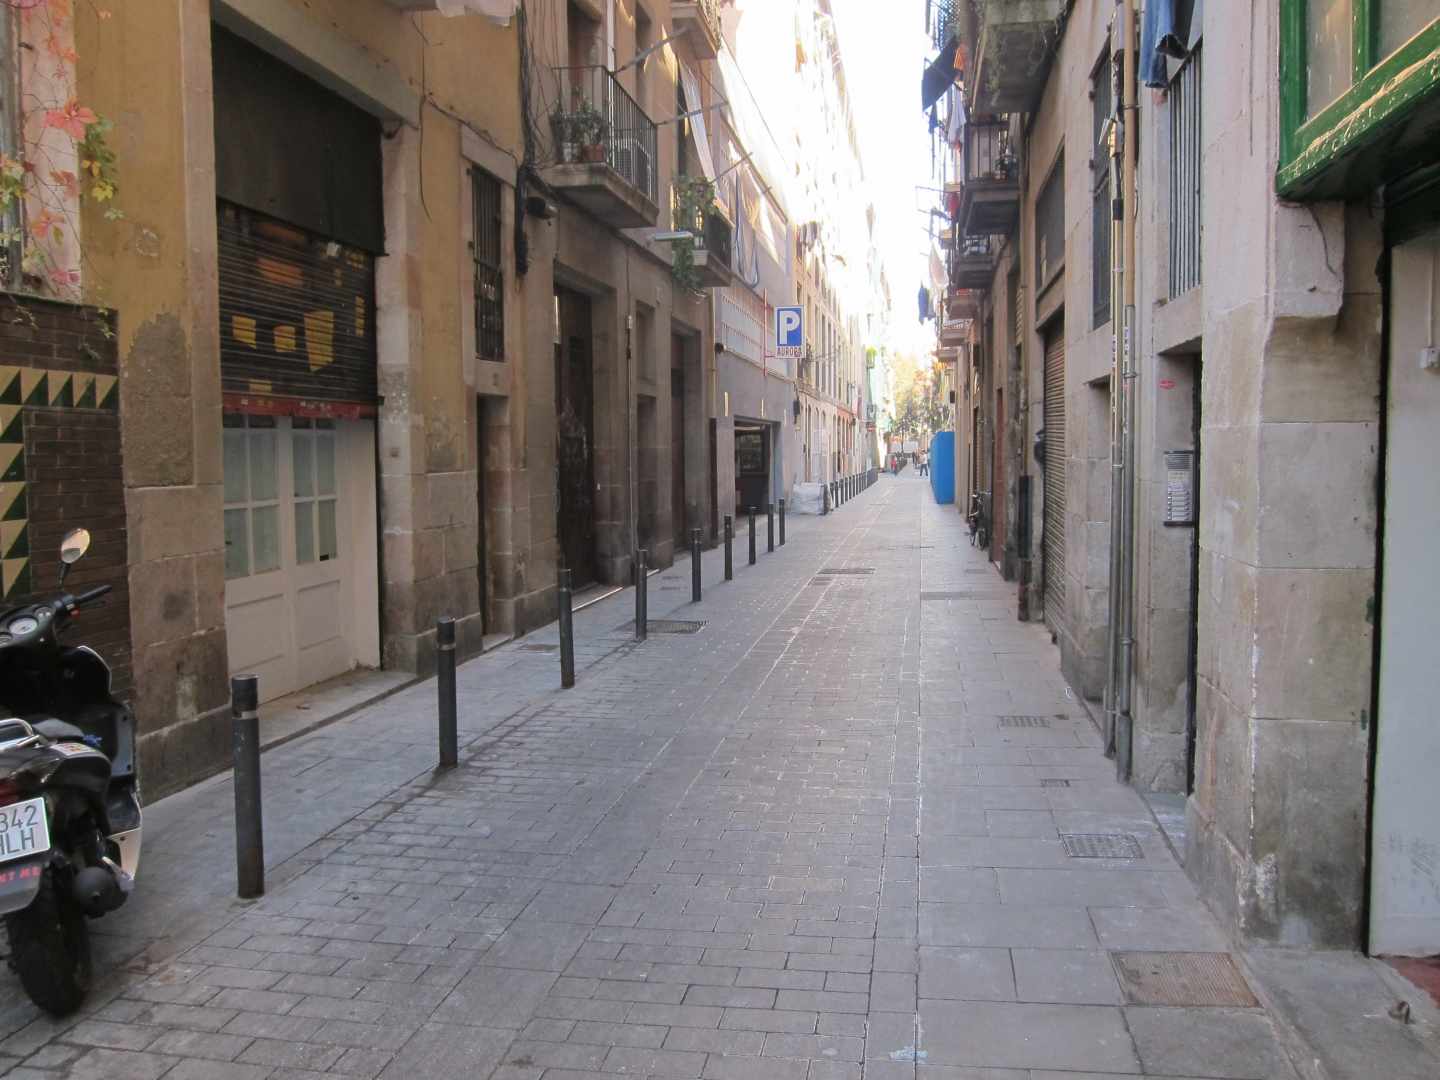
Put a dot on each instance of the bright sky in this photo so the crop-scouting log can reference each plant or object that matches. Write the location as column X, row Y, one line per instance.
column 884, row 47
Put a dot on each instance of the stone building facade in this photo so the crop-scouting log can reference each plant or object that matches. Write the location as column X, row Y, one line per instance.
column 1277, row 341
column 397, row 343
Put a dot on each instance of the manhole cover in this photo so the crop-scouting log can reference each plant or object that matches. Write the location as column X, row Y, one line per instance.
column 1175, row 978
column 665, row 626
column 1024, row 721
column 854, row 571
column 1101, row 846
column 1054, row 783
column 539, row 648
column 961, row 595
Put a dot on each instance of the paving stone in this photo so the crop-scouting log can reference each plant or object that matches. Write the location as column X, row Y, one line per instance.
column 1026, row 1036
column 1224, row 1043
column 440, row 1050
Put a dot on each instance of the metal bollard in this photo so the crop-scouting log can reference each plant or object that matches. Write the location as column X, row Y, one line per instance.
column 567, row 630
column 824, row 499
column 770, row 526
column 642, row 600
column 729, row 541
column 752, row 536
column 782, row 522
column 249, row 831
column 695, row 568
column 445, row 681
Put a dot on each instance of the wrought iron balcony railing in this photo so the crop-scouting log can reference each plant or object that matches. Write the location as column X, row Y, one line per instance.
column 988, row 156
column 597, row 122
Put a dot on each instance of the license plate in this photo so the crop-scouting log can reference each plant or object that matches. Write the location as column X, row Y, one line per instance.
column 23, row 830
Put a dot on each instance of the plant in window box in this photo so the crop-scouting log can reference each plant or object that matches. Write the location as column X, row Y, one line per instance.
column 694, row 201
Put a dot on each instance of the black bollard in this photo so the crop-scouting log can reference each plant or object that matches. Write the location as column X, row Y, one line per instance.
column 695, row 568
column 752, row 536
column 642, row 600
column 824, row 499
column 445, row 683
column 567, row 630
column 729, row 542
column 782, row 522
column 770, row 526
column 249, row 831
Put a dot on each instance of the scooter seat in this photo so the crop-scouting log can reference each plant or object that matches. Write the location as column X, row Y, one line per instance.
column 57, row 730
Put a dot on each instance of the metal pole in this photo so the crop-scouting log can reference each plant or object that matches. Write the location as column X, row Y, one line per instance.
column 249, row 832
column 782, row 522
column 642, row 602
column 729, row 542
column 824, row 499
column 752, row 536
column 770, row 526
column 695, row 583
column 567, row 630
column 445, row 678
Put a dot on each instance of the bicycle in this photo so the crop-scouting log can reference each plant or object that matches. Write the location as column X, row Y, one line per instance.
column 978, row 520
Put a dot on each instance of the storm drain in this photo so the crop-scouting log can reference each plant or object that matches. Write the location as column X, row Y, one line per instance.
column 846, row 571
column 1024, row 721
column 664, row 626
column 539, row 647
column 1051, row 782
column 961, row 595
column 1177, row 978
column 1101, row 846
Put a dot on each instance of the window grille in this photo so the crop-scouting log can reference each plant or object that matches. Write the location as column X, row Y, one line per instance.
column 1101, row 215
column 1184, row 98
column 489, row 279
column 1050, row 226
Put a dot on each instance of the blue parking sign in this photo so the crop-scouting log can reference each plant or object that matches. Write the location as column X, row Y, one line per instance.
column 789, row 332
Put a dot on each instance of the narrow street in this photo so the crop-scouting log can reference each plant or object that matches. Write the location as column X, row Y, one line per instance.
column 856, row 825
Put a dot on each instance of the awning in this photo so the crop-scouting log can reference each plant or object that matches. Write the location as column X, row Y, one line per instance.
column 694, row 106
column 497, row 11
column 939, row 76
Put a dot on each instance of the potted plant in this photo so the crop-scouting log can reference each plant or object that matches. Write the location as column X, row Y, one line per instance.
column 563, row 125
column 592, row 132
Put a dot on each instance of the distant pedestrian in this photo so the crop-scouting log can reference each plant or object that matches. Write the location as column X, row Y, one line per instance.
column 922, row 459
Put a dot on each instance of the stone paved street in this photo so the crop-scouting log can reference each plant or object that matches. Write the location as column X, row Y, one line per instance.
column 857, row 826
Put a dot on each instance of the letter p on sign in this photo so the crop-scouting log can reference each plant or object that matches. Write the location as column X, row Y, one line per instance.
column 789, row 332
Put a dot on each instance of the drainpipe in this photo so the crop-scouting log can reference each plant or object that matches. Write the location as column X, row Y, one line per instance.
column 1130, row 382
column 1114, row 162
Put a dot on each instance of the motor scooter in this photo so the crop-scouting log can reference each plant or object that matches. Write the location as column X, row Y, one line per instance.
column 69, row 801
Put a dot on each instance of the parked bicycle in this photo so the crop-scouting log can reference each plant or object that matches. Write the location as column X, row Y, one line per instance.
column 979, row 520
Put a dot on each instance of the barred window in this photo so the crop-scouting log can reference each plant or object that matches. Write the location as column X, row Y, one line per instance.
column 1101, row 215
column 1050, row 226
column 489, row 280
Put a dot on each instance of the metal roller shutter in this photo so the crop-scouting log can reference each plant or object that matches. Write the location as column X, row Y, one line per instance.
column 297, row 319
column 1055, row 476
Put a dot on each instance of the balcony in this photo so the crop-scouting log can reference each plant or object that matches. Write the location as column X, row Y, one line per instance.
column 955, row 332
column 606, row 151
column 700, row 20
column 714, row 235
column 1012, row 59
column 990, row 194
column 972, row 263
column 963, row 304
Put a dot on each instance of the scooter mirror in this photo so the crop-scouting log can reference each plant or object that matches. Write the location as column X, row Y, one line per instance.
column 74, row 546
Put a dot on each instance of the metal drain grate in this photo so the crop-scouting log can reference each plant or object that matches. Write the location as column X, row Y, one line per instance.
column 1101, row 846
column 539, row 647
column 664, row 626
column 1171, row 978
column 1052, row 782
column 959, row 595
column 1024, row 721
column 840, row 571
